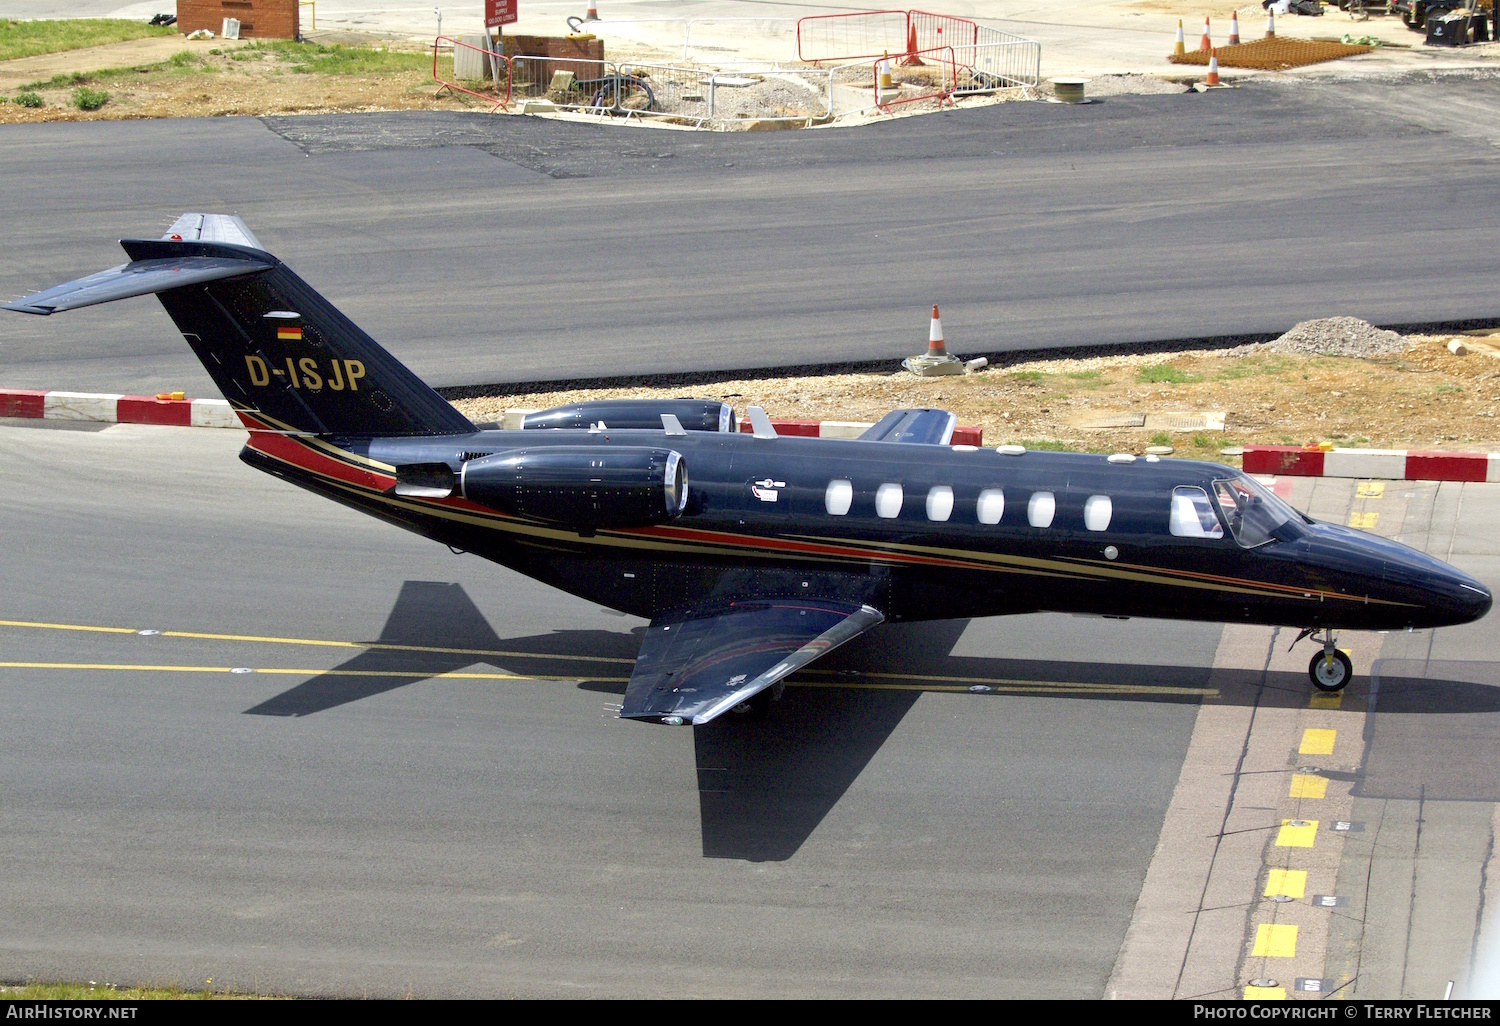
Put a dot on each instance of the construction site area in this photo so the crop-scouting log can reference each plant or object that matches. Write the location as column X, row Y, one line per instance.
column 713, row 67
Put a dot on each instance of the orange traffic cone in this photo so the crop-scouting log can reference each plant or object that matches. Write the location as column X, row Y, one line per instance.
column 1213, row 67
column 1270, row 24
column 935, row 345
column 593, row 12
column 912, row 60
column 936, row 360
column 1234, row 28
column 1205, row 43
column 1180, row 47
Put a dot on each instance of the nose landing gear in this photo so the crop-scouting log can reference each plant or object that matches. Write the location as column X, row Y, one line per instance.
column 1330, row 670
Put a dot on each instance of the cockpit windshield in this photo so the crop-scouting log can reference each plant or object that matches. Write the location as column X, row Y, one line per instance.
column 1254, row 513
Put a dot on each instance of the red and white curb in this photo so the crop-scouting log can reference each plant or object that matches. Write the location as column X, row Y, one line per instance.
column 112, row 407
column 1387, row 464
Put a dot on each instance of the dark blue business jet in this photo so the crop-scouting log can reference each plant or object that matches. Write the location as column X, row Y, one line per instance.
column 753, row 554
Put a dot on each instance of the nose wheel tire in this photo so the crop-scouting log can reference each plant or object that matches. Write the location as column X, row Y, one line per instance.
column 1330, row 671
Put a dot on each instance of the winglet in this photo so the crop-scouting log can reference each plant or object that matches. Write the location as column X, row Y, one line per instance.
column 760, row 422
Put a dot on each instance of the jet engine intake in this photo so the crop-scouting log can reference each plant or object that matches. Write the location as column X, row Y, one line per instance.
column 582, row 488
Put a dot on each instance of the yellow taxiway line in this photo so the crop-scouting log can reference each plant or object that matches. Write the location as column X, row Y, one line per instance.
column 868, row 680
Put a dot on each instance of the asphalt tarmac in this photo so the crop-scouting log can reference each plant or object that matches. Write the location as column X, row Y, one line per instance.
column 491, row 249
column 341, row 821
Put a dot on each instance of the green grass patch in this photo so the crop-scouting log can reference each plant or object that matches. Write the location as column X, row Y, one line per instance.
column 179, row 63
column 1161, row 438
column 1085, row 379
column 31, row 38
column 89, row 99
column 1046, row 444
column 1028, row 377
column 342, row 60
column 1202, row 442
column 1237, row 370
column 1165, row 373
column 26, row 98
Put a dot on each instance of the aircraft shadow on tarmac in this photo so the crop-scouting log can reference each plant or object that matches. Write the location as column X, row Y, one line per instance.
column 764, row 786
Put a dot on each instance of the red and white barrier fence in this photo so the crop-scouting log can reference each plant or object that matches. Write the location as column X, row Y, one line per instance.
column 110, row 407
column 1387, row 464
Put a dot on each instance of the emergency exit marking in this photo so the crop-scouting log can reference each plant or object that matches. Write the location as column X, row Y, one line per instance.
column 1344, row 826
column 1329, row 901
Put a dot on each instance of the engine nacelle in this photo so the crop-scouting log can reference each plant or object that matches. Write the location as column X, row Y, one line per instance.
column 627, row 414
column 580, row 487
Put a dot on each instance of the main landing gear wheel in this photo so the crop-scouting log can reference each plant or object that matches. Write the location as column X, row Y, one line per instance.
column 1330, row 671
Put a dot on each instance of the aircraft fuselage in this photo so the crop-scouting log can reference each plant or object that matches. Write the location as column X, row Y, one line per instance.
column 921, row 532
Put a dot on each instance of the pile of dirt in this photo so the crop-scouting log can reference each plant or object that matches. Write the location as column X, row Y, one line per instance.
column 1332, row 336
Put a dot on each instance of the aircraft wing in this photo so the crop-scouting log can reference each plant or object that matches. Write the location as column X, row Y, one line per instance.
column 213, row 228
column 920, row 426
column 699, row 664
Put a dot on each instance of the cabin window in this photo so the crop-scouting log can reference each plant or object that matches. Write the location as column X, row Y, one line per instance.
column 888, row 501
column 1193, row 515
column 838, row 497
column 939, row 502
column 991, row 506
column 1096, row 512
column 1040, row 509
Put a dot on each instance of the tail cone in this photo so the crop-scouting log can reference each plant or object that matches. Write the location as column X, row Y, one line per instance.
column 1205, row 43
column 1234, row 29
column 1180, row 46
column 1213, row 67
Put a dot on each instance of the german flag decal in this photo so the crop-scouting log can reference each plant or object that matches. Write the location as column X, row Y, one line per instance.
column 289, row 334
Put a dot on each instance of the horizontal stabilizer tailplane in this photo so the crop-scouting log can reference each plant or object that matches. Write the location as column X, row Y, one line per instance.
column 282, row 355
column 137, row 278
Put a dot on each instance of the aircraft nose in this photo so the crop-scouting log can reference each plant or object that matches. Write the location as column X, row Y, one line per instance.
column 1418, row 589
column 1451, row 595
column 1475, row 599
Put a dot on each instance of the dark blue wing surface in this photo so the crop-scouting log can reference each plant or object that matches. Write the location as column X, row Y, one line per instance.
column 919, row 426
column 137, row 278
column 699, row 664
